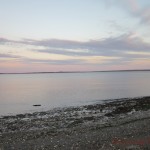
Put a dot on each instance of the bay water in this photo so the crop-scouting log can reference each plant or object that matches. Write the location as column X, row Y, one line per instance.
column 19, row 92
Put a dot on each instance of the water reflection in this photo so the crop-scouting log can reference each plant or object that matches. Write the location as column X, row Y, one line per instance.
column 18, row 92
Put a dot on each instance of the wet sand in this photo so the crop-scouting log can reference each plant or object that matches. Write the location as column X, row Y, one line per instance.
column 116, row 124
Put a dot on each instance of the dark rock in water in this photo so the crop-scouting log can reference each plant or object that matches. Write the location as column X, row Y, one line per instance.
column 37, row 105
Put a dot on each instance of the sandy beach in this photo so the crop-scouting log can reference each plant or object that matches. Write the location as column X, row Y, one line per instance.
column 116, row 124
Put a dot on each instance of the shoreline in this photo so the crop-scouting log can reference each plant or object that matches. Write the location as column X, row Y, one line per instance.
column 99, row 126
column 132, row 70
column 53, row 109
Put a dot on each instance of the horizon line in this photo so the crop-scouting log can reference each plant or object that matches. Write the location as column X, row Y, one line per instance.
column 74, row 71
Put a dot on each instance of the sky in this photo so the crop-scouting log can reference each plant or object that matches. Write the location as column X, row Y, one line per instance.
column 74, row 35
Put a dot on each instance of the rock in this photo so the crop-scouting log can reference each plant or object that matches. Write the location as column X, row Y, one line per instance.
column 37, row 105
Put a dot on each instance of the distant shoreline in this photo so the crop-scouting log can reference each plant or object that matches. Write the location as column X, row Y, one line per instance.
column 76, row 71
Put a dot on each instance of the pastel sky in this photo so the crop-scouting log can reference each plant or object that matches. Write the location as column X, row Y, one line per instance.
column 74, row 35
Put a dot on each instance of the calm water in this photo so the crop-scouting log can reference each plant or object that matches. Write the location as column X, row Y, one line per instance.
column 18, row 92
